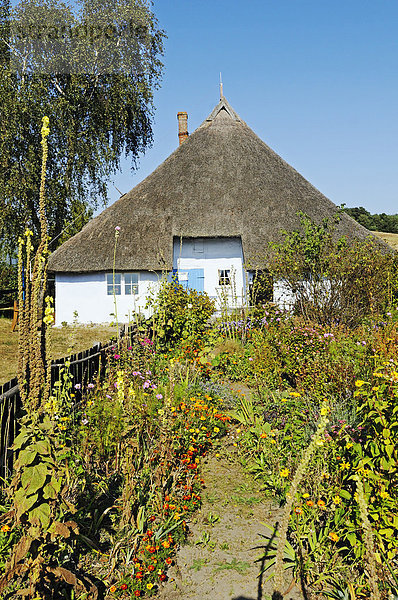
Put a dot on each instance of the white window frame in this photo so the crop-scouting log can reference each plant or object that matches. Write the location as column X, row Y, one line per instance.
column 110, row 290
column 224, row 277
column 134, row 285
column 121, row 285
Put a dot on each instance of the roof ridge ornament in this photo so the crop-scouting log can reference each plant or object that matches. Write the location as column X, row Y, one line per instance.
column 221, row 88
column 223, row 105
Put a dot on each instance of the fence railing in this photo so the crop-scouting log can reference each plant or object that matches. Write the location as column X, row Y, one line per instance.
column 83, row 366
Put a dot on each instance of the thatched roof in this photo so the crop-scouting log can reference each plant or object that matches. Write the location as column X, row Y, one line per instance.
column 223, row 181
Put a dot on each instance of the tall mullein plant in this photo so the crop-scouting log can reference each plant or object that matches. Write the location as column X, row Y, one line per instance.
column 32, row 281
column 117, row 232
column 316, row 441
column 41, row 506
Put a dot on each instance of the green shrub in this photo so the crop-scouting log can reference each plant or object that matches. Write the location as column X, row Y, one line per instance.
column 179, row 313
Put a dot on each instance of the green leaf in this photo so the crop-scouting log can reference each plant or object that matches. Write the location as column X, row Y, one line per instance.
column 43, row 447
column 345, row 494
column 21, row 439
column 52, row 489
column 33, row 478
column 352, row 538
column 40, row 515
column 24, row 504
column 26, row 457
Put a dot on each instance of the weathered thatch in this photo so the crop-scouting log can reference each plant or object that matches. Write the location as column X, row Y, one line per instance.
column 223, row 181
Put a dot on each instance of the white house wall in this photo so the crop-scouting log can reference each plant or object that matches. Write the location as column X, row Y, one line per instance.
column 211, row 255
column 86, row 294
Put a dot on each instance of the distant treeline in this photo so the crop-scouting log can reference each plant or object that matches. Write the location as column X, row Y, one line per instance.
column 378, row 222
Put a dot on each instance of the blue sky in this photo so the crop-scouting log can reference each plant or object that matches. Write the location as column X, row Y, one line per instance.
column 316, row 80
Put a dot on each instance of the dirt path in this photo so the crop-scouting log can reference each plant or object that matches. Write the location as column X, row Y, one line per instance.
column 219, row 560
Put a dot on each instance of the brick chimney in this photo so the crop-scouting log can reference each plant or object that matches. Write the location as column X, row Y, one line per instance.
column 182, row 126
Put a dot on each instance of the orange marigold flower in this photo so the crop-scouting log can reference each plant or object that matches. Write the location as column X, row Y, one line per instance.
column 5, row 528
column 168, row 561
column 137, row 593
column 112, row 589
column 166, row 544
column 123, row 586
column 151, row 568
column 333, row 536
column 309, row 503
column 321, row 504
column 298, row 510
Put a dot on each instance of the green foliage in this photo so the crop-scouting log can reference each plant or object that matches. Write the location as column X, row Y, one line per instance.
column 179, row 313
column 330, row 280
column 8, row 276
column 376, row 222
column 81, row 84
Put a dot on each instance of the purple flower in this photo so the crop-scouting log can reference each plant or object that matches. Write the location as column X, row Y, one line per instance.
column 146, row 384
column 159, row 396
column 250, row 358
column 90, row 386
column 135, row 373
column 117, row 356
column 78, row 386
column 108, row 396
column 117, row 228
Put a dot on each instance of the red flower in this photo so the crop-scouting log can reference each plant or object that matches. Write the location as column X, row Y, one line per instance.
column 139, row 575
column 151, row 567
column 168, row 561
column 162, row 577
column 137, row 593
column 123, row 586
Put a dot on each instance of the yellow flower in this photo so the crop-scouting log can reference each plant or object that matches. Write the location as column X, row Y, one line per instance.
column 360, row 383
column 112, row 589
column 337, row 500
column 294, row 394
column 306, row 495
column 324, row 411
column 333, row 536
column 5, row 528
column 284, row 473
column 216, row 430
column 384, row 494
column 344, row 465
column 149, row 586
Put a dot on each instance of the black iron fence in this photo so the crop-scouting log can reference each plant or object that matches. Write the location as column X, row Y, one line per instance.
column 84, row 367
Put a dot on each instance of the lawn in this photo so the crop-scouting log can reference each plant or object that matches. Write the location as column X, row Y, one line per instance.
column 390, row 238
column 65, row 340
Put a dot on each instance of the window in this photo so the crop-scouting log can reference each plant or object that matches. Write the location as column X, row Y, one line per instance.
column 224, row 276
column 130, row 283
column 109, row 284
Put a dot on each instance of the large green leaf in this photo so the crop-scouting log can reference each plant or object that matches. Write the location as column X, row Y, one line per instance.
column 24, row 503
column 40, row 515
column 33, row 478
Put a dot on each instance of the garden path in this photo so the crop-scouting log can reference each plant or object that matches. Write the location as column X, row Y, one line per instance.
column 219, row 560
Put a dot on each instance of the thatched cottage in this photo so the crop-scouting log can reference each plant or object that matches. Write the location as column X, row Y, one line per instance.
column 207, row 213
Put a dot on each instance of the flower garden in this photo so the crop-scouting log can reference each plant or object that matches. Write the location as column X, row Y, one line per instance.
column 107, row 474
